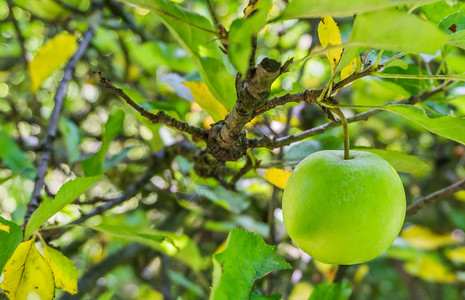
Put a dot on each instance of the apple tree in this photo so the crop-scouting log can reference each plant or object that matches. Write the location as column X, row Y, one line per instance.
column 145, row 146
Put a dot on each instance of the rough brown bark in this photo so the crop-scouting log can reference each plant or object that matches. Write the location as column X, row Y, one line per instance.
column 227, row 141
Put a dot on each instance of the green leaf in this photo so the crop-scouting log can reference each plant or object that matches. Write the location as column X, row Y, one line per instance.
column 196, row 35
column 385, row 57
column 257, row 296
column 332, row 291
column 246, row 258
column 375, row 30
column 115, row 159
column 14, row 157
column 400, row 161
column 50, row 57
column 175, row 106
column 229, row 200
column 439, row 10
column 148, row 237
column 219, row 80
column 180, row 279
column 94, row 165
column 413, row 86
column 457, row 19
column 316, row 8
column 47, row 9
column 449, row 127
column 176, row 245
column 64, row 271
column 241, row 32
column 151, row 55
column 298, row 151
column 71, row 138
column 457, row 39
column 67, row 194
column 10, row 237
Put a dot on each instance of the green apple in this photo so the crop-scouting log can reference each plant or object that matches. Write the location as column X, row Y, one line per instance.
column 343, row 211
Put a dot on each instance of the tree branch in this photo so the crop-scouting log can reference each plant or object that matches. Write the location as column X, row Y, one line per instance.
column 305, row 96
column 18, row 31
column 227, row 140
column 246, row 168
column 53, row 122
column 128, row 193
column 160, row 118
column 272, row 143
column 435, row 197
column 117, row 9
column 211, row 10
column 36, row 104
column 311, row 96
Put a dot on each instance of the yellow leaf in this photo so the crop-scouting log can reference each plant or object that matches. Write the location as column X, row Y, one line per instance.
column 27, row 272
column 424, row 238
column 329, row 35
column 277, row 177
column 64, row 271
column 349, row 69
column 460, row 195
column 361, row 272
column 5, row 227
column 206, row 100
column 302, row 290
column 429, row 269
column 457, row 254
column 51, row 57
column 328, row 270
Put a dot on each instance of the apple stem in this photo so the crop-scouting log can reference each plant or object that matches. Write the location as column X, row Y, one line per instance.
column 345, row 127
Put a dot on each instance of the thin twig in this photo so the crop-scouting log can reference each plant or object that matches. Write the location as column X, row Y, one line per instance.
column 424, row 77
column 435, row 197
column 305, row 96
column 211, row 10
column 18, row 31
column 117, row 9
column 53, row 122
column 246, row 168
column 166, row 281
column 21, row 40
column 127, row 58
column 160, row 118
column 128, row 193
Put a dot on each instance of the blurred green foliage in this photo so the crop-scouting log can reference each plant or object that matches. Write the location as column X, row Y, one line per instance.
column 150, row 57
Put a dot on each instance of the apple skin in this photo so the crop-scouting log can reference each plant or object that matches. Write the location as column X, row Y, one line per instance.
column 344, row 211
